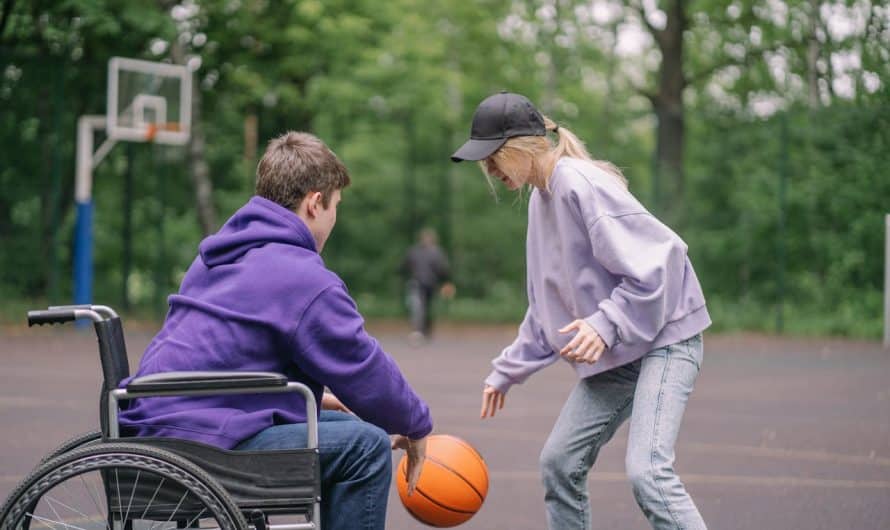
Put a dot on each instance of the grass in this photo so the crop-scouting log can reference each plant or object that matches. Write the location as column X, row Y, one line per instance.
column 14, row 310
column 846, row 319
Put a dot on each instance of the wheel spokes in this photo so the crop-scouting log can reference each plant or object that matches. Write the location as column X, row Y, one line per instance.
column 117, row 499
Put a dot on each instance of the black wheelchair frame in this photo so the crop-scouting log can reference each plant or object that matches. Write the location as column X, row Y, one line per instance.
column 165, row 481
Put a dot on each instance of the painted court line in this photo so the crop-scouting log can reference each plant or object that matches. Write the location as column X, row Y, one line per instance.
column 730, row 449
column 731, row 480
column 688, row 478
column 787, row 454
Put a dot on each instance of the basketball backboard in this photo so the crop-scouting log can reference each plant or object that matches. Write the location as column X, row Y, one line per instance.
column 148, row 101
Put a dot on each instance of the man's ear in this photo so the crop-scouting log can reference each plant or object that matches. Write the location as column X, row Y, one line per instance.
column 313, row 203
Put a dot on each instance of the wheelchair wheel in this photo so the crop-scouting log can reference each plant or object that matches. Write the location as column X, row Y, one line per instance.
column 81, row 440
column 119, row 486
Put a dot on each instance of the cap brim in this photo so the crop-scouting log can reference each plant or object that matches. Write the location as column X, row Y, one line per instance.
column 477, row 149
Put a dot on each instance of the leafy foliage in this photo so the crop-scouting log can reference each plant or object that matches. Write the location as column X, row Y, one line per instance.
column 773, row 96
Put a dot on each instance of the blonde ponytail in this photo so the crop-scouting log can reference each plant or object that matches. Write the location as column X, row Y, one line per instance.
column 571, row 146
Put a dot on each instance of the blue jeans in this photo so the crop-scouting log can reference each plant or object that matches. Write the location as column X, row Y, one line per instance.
column 656, row 389
column 356, row 467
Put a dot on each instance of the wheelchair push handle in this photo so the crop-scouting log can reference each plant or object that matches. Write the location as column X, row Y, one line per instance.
column 60, row 316
column 51, row 316
column 103, row 310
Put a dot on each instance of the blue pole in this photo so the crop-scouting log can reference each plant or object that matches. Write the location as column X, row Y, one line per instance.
column 83, row 253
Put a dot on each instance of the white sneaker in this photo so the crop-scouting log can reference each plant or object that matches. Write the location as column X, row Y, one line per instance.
column 416, row 338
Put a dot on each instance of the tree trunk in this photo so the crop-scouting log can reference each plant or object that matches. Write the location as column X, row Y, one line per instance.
column 199, row 169
column 813, row 53
column 605, row 141
column 251, row 139
column 669, row 110
column 47, row 145
column 555, row 64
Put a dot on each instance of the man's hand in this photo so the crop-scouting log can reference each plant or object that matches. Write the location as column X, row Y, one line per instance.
column 586, row 346
column 492, row 400
column 448, row 290
column 330, row 402
column 416, row 450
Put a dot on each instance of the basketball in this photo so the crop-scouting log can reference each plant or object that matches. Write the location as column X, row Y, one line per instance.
column 452, row 485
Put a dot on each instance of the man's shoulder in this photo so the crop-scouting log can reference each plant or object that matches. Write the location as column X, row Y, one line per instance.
column 289, row 267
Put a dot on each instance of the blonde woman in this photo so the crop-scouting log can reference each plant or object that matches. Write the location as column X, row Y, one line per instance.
column 611, row 291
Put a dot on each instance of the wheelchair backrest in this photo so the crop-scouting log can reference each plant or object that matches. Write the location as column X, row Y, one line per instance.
column 110, row 334
column 115, row 365
column 112, row 352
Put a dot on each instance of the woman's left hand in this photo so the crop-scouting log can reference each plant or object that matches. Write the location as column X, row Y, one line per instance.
column 586, row 346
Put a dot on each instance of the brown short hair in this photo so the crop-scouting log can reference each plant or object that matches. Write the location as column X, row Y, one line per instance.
column 295, row 164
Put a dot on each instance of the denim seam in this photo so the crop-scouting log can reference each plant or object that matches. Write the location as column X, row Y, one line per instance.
column 369, row 511
column 593, row 443
column 690, row 350
column 664, row 373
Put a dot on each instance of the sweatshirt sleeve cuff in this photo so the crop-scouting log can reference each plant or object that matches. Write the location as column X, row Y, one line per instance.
column 499, row 381
column 422, row 432
column 604, row 328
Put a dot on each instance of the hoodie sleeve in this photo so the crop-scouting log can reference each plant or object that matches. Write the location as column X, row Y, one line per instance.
column 332, row 347
column 646, row 255
column 521, row 359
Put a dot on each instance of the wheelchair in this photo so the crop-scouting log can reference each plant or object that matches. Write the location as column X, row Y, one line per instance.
column 102, row 481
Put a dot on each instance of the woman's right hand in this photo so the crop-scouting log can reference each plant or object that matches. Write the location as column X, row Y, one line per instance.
column 492, row 400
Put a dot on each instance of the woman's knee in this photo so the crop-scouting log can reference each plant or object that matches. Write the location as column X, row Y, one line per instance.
column 647, row 477
column 552, row 461
column 640, row 473
column 547, row 458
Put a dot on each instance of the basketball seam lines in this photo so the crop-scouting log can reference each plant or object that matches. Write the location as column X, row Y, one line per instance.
column 481, row 497
column 437, row 503
column 471, row 449
column 441, row 505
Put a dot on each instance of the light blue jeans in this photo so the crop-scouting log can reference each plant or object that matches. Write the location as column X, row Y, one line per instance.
column 656, row 388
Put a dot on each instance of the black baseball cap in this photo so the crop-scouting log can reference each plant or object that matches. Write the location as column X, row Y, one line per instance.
column 498, row 118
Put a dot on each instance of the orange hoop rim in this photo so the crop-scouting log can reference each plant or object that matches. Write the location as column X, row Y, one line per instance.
column 151, row 130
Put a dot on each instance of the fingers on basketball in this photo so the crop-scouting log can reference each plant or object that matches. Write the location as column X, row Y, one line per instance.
column 452, row 485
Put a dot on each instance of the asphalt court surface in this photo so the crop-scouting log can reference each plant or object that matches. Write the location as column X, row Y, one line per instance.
column 779, row 434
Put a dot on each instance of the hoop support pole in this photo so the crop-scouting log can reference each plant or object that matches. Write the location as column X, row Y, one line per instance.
column 87, row 160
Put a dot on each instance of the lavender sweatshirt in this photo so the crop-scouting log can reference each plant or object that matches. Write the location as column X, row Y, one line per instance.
column 594, row 253
column 259, row 298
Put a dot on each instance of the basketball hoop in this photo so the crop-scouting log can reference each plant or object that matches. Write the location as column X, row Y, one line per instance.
column 146, row 102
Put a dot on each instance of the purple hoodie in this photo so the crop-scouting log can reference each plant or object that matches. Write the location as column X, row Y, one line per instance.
column 259, row 298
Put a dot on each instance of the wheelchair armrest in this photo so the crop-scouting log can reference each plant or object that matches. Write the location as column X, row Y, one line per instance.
column 185, row 381
column 208, row 383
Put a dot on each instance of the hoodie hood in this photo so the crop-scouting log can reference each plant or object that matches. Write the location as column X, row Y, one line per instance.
column 257, row 223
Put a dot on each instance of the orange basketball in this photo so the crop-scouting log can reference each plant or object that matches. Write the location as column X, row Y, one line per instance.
column 452, row 485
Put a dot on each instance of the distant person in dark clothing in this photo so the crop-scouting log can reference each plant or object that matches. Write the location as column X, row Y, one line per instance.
column 426, row 269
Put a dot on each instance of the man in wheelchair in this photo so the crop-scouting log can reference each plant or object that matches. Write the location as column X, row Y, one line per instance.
column 258, row 297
